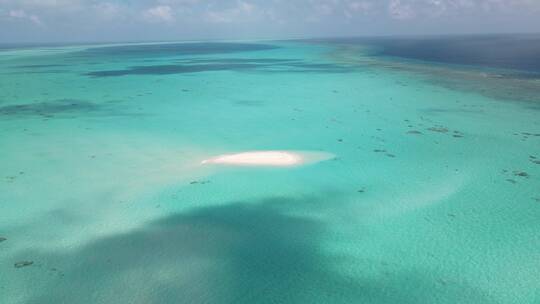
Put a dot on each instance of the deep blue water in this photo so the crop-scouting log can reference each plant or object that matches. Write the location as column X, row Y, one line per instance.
column 517, row 52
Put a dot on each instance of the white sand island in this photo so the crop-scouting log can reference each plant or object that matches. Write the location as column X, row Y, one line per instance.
column 269, row 158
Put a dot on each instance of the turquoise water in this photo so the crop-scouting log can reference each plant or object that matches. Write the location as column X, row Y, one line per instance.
column 433, row 196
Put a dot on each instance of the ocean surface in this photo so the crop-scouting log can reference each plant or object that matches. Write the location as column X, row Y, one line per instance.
column 433, row 195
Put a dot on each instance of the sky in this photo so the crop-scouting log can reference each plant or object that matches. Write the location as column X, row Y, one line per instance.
column 157, row 20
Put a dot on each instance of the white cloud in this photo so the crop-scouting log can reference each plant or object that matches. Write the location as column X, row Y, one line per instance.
column 354, row 9
column 108, row 9
column 408, row 9
column 400, row 10
column 30, row 5
column 21, row 14
column 192, row 18
column 160, row 13
column 242, row 11
column 360, row 6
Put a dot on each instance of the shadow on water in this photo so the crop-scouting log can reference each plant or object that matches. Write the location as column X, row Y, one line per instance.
column 241, row 252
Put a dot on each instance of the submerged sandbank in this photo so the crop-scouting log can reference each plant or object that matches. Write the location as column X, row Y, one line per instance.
column 269, row 158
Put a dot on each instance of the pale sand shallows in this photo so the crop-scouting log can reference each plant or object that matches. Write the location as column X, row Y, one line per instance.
column 268, row 158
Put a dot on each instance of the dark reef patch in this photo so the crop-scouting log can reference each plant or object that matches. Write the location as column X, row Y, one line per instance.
column 173, row 69
column 63, row 108
column 239, row 60
column 304, row 67
column 275, row 66
column 521, row 174
column 23, row 264
column 450, row 110
column 458, row 134
column 48, row 109
column 414, row 132
column 172, row 49
column 39, row 66
column 438, row 129
column 10, row 179
column 535, row 161
column 202, row 182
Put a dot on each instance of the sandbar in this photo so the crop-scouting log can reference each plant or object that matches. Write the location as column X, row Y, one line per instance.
column 268, row 158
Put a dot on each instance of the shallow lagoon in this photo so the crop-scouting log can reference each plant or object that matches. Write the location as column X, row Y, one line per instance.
column 432, row 196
